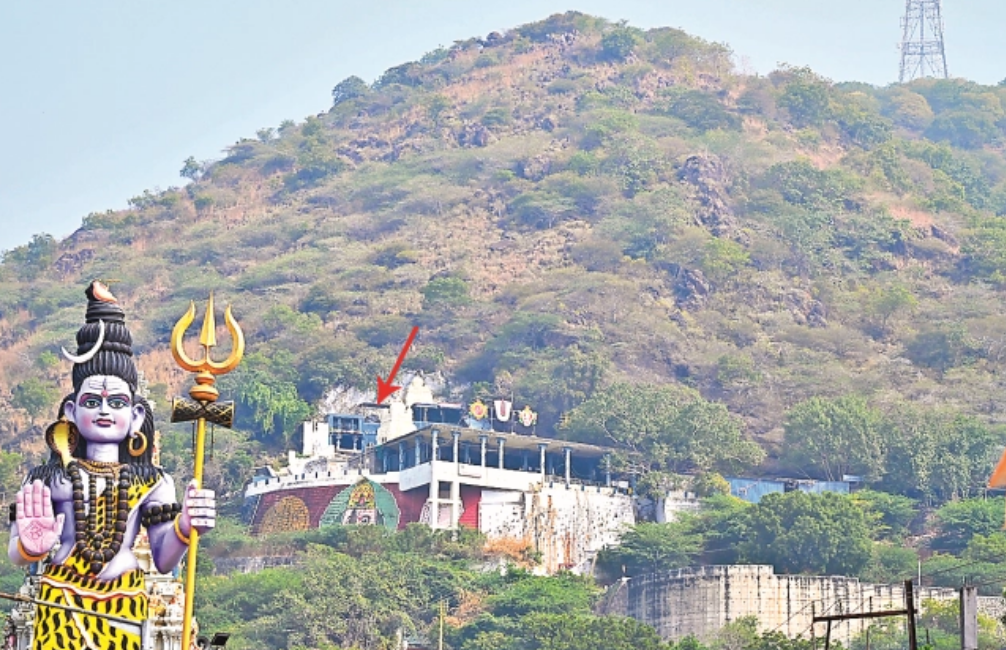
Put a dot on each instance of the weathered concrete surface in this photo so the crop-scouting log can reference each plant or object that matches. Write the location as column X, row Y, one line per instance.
column 567, row 525
column 699, row 601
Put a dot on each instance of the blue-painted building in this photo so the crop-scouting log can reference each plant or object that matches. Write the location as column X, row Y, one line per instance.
column 753, row 489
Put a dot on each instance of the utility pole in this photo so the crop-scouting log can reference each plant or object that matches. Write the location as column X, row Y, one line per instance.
column 443, row 613
column 908, row 612
column 922, row 50
column 969, row 617
column 913, row 642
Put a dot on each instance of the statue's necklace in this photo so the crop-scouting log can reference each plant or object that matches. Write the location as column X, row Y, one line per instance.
column 99, row 541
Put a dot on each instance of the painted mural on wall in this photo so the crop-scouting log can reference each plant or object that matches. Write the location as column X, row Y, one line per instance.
column 78, row 515
column 288, row 514
column 364, row 503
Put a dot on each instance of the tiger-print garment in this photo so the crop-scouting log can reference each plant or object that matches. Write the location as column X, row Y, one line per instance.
column 70, row 584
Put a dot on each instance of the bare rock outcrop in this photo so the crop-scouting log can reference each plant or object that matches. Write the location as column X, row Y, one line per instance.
column 707, row 175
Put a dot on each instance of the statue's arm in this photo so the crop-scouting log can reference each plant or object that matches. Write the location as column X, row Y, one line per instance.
column 165, row 546
column 12, row 550
column 170, row 539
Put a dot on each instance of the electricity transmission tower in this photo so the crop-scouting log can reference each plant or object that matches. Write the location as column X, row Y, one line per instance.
column 922, row 52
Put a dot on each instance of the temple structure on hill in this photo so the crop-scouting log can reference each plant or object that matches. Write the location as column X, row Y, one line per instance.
column 440, row 464
column 483, row 467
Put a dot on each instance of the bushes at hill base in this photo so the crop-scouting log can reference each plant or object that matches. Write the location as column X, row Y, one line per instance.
column 795, row 532
column 364, row 587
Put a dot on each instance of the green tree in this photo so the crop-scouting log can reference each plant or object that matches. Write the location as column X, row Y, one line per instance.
column 959, row 521
column 34, row 258
column 445, row 291
column 700, row 110
column 619, row 42
column 436, row 104
column 47, row 360
column 349, row 88
column 890, row 563
column 835, row 437
column 910, row 437
column 541, row 209
column 798, row 532
column 987, row 548
column 942, row 347
column 984, row 249
column 558, row 632
column 10, row 475
column 965, row 451
column 722, row 259
column 671, row 426
column 965, row 129
column 883, row 304
column 265, row 387
column 909, row 110
column 893, row 512
column 650, row 548
column 35, row 396
column 802, row 184
column 863, row 128
column 562, row 594
column 191, row 169
column 940, row 620
column 722, row 522
column 806, row 97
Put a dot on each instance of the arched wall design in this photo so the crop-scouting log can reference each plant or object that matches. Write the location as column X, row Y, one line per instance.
column 363, row 503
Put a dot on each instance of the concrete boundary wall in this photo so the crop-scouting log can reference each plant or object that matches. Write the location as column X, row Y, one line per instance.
column 699, row 601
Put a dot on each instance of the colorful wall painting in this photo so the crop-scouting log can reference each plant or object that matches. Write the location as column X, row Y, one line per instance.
column 364, row 503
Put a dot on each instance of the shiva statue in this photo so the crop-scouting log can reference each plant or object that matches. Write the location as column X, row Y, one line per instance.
column 79, row 514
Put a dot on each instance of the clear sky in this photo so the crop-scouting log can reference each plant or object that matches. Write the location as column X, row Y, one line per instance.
column 101, row 99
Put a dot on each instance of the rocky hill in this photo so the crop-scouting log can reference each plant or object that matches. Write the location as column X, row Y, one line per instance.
column 564, row 207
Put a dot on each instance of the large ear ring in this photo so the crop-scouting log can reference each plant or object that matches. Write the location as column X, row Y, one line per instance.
column 62, row 437
column 138, row 451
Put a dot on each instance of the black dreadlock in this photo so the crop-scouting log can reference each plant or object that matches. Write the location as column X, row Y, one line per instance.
column 115, row 358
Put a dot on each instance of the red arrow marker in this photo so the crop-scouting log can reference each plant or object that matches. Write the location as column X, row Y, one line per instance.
column 385, row 388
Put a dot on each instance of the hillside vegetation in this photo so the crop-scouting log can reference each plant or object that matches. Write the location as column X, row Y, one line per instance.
column 607, row 222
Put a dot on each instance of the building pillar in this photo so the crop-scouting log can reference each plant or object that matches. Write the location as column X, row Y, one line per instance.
column 434, row 479
column 401, row 456
column 457, row 447
column 483, row 439
column 419, row 450
column 607, row 470
column 567, row 451
column 499, row 442
column 434, row 498
column 541, row 460
column 455, row 504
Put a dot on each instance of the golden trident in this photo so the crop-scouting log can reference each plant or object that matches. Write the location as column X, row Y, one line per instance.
column 202, row 407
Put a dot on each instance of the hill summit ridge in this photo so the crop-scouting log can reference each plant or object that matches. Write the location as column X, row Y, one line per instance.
column 570, row 210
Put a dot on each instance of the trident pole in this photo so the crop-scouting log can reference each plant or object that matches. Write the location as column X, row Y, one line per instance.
column 201, row 407
column 190, row 564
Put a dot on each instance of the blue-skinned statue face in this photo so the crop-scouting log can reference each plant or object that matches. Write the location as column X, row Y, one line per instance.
column 103, row 410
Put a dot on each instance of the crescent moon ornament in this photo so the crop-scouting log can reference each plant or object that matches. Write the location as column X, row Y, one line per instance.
column 87, row 356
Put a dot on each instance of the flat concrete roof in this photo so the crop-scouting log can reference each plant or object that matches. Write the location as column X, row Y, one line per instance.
column 511, row 441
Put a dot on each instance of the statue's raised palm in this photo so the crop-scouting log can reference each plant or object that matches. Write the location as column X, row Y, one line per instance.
column 37, row 528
